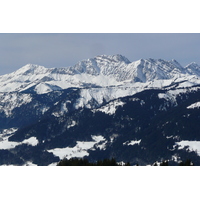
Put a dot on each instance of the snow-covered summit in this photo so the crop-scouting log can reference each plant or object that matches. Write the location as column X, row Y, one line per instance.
column 31, row 69
column 113, row 58
column 193, row 68
column 25, row 71
column 156, row 69
column 98, row 65
column 121, row 69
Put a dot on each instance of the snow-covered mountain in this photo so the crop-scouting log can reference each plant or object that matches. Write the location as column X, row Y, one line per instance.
column 102, row 78
column 83, row 109
column 101, row 71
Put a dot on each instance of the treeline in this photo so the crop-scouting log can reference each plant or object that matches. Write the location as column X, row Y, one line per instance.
column 85, row 162
column 110, row 162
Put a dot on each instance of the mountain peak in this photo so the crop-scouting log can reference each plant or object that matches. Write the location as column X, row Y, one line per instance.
column 193, row 68
column 192, row 64
column 31, row 69
column 98, row 64
column 115, row 58
column 176, row 63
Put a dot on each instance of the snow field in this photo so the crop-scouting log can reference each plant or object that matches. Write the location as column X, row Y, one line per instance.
column 80, row 150
column 192, row 145
column 6, row 144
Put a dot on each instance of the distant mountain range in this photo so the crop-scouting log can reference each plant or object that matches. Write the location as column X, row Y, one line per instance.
column 141, row 112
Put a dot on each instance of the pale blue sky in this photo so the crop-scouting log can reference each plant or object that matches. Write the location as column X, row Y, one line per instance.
column 66, row 49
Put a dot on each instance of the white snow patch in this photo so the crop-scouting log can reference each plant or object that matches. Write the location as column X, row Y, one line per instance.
column 192, row 145
column 31, row 141
column 42, row 88
column 163, row 96
column 132, row 142
column 73, row 123
column 6, row 144
column 80, row 150
column 111, row 107
column 100, row 139
column 194, row 105
column 168, row 97
column 56, row 103
column 7, row 132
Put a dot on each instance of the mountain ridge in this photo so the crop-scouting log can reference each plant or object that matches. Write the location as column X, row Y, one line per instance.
column 101, row 71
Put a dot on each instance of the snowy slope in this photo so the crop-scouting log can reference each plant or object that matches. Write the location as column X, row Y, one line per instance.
column 9, row 101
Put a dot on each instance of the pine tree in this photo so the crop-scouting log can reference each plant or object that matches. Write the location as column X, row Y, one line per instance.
column 188, row 162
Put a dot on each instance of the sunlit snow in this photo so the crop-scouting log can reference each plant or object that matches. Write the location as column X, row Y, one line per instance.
column 6, row 144
column 80, row 150
column 192, row 145
column 111, row 107
column 31, row 141
column 42, row 88
column 132, row 142
column 194, row 105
